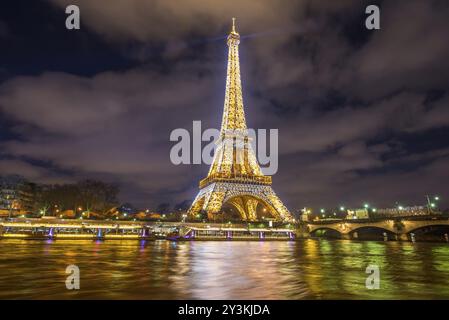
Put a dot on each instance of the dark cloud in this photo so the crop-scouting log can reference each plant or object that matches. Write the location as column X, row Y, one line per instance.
column 4, row 30
column 408, row 53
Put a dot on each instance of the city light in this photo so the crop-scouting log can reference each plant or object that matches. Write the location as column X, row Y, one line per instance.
column 342, row 208
column 322, row 210
column 366, row 205
column 400, row 207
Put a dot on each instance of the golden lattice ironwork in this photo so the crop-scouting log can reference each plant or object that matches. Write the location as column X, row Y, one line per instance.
column 235, row 176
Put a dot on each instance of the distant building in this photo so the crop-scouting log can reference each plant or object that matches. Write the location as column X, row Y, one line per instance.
column 17, row 196
column 403, row 211
column 306, row 214
column 358, row 214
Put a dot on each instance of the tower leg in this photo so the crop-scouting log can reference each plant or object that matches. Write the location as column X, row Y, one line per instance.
column 281, row 211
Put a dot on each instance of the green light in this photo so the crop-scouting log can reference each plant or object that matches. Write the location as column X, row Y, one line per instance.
column 400, row 207
column 322, row 210
column 366, row 205
column 374, row 209
column 342, row 208
column 437, row 198
column 432, row 205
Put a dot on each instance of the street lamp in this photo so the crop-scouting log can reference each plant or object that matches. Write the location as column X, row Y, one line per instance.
column 431, row 205
column 366, row 205
column 342, row 208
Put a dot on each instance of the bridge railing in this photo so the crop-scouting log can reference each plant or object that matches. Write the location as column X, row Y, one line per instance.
column 379, row 219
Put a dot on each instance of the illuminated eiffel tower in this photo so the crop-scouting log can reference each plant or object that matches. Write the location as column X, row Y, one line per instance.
column 235, row 178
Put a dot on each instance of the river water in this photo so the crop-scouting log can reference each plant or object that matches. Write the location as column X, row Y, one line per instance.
column 307, row 269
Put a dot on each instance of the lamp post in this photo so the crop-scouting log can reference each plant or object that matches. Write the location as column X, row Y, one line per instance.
column 430, row 204
column 323, row 213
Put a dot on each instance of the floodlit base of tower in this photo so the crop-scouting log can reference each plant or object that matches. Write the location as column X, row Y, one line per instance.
column 244, row 198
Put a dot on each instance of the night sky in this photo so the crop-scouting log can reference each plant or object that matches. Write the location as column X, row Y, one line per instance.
column 363, row 116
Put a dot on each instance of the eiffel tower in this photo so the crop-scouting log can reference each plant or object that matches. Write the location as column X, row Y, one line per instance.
column 235, row 178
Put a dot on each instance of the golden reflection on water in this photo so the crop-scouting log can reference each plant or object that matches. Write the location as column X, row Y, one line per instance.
column 309, row 269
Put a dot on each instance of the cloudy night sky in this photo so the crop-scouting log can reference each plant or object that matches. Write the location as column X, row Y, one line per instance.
column 363, row 116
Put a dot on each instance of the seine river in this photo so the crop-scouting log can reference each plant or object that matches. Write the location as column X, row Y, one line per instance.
column 309, row 269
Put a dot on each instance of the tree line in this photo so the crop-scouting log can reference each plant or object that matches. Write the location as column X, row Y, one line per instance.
column 84, row 196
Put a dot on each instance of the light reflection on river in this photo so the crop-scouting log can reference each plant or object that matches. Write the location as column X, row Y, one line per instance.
column 309, row 269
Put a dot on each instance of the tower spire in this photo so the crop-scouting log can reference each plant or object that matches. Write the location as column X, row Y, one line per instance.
column 234, row 114
column 233, row 26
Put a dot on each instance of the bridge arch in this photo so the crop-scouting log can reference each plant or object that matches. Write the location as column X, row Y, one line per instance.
column 249, row 207
column 430, row 232
column 372, row 232
column 325, row 232
column 410, row 226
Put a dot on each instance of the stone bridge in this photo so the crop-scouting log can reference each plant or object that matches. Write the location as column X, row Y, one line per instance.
column 400, row 228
